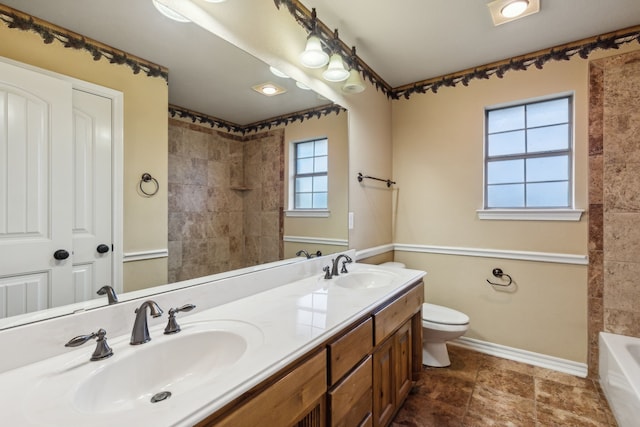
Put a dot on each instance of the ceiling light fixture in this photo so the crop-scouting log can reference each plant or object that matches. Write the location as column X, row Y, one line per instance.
column 515, row 8
column 503, row 11
column 335, row 72
column 302, row 86
column 169, row 13
column 269, row 89
column 314, row 56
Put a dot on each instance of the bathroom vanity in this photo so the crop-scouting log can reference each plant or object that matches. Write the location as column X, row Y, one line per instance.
column 280, row 347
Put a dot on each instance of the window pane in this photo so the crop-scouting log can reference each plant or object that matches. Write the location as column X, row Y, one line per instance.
column 548, row 112
column 321, row 148
column 506, row 119
column 505, row 196
column 320, row 164
column 501, row 144
column 305, row 149
column 304, row 165
column 303, row 201
column 319, row 200
column 548, row 195
column 505, row 171
column 548, row 138
column 304, row 185
column 554, row 168
column 320, row 183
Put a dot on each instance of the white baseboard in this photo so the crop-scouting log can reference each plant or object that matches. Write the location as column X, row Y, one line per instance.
column 524, row 356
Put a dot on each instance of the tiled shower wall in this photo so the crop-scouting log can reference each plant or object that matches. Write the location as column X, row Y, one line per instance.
column 614, row 199
column 225, row 200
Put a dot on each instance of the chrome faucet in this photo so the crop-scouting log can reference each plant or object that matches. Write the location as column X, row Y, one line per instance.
column 112, row 297
column 140, row 333
column 334, row 269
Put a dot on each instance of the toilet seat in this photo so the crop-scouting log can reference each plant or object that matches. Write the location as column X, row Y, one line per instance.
column 438, row 314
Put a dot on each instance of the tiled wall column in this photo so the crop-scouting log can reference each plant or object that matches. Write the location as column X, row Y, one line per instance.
column 614, row 199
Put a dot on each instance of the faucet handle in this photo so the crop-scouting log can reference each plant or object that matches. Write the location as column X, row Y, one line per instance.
column 344, row 267
column 172, row 324
column 102, row 350
column 327, row 272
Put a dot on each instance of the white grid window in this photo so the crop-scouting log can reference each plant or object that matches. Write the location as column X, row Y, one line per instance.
column 310, row 178
column 528, row 155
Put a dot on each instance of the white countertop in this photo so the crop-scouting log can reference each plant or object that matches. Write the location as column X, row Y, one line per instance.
column 288, row 321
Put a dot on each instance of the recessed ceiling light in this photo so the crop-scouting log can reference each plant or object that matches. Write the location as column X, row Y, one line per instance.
column 169, row 13
column 503, row 11
column 269, row 89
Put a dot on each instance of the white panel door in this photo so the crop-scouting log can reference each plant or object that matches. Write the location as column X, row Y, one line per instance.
column 35, row 188
column 92, row 172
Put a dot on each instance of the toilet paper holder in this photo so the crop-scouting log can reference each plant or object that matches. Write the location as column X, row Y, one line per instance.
column 497, row 272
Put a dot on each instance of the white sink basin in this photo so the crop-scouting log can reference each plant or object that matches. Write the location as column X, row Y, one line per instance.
column 201, row 353
column 365, row 279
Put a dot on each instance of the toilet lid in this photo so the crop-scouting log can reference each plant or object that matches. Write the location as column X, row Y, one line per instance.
column 439, row 314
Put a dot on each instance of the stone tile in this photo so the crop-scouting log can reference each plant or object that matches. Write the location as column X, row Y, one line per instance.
column 622, row 237
column 420, row 412
column 507, row 381
column 218, row 174
column 491, row 408
column 596, row 222
column 623, row 292
column 498, row 363
column 622, row 187
column 596, row 179
column 174, row 260
column 596, row 108
column 562, row 400
column 562, row 378
column 187, row 198
column 622, row 322
column 551, row 416
column 595, row 274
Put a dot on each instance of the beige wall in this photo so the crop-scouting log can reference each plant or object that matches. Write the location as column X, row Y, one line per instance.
column 145, row 141
column 438, row 163
column 334, row 128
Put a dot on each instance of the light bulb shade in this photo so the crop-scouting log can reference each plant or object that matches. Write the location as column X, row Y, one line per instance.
column 354, row 83
column 515, row 8
column 313, row 55
column 169, row 13
column 335, row 72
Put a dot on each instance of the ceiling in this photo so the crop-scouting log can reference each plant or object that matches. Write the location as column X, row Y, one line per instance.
column 404, row 41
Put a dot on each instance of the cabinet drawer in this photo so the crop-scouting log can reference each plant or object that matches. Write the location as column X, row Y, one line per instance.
column 351, row 348
column 284, row 402
column 350, row 401
column 395, row 314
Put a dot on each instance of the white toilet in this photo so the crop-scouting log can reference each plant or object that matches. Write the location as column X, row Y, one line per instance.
column 439, row 325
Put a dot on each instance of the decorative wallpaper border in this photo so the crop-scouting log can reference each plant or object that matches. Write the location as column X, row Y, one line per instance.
column 49, row 33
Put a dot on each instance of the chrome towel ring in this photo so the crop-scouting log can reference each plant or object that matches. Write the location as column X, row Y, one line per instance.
column 497, row 272
column 146, row 177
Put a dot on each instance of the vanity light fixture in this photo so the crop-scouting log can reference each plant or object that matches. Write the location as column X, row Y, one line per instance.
column 314, row 56
column 503, row 11
column 354, row 83
column 169, row 13
column 335, row 72
column 277, row 72
column 302, row 86
column 269, row 89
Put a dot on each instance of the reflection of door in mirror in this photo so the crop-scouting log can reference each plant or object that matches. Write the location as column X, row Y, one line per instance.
column 55, row 146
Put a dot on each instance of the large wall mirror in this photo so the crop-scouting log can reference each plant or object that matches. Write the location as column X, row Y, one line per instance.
column 224, row 193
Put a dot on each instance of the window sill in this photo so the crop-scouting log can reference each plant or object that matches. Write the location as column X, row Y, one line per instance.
column 309, row 213
column 531, row 214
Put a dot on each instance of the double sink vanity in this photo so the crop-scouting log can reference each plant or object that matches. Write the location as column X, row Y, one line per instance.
column 282, row 346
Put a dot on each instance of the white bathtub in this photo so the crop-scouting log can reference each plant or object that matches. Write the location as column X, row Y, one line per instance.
column 620, row 376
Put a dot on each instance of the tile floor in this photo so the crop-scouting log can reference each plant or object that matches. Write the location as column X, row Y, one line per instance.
column 482, row 390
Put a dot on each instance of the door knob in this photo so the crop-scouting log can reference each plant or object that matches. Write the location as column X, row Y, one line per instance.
column 61, row 254
column 102, row 248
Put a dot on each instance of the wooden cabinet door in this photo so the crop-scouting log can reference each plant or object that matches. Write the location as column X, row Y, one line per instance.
column 384, row 394
column 402, row 362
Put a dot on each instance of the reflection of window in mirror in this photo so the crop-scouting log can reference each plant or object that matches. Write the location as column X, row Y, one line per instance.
column 309, row 175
